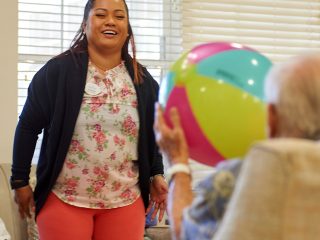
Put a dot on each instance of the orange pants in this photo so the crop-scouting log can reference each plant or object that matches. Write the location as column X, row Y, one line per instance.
column 60, row 221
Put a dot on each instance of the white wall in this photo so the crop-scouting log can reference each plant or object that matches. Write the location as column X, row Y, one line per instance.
column 8, row 77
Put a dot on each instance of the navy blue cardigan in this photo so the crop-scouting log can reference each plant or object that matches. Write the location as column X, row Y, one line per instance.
column 53, row 104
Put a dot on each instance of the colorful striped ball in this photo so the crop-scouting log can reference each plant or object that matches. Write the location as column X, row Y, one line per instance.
column 218, row 91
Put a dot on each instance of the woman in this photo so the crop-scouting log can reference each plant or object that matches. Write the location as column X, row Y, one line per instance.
column 95, row 106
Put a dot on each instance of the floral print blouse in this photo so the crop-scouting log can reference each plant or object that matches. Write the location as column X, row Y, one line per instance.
column 100, row 170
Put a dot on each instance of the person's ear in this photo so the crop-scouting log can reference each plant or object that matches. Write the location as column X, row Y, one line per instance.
column 273, row 121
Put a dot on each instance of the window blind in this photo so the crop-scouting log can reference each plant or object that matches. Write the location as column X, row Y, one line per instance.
column 46, row 29
column 277, row 28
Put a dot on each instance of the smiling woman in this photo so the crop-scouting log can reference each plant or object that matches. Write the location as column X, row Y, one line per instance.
column 47, row 28
column 107, row 30
column 94, row 103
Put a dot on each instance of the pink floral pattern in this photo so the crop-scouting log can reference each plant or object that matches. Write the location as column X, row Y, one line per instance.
column 100, row 169
column 99, row 136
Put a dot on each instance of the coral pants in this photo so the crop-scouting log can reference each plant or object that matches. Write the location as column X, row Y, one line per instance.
column 60, row 221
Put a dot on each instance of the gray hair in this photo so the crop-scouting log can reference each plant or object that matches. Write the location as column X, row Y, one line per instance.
column 294, row 89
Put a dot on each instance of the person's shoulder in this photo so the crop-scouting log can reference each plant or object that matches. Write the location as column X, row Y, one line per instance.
column 51, row 69
column 60, row 59
column 54, row 63
column 289, row 152
column 66, row 60
column 280, row 145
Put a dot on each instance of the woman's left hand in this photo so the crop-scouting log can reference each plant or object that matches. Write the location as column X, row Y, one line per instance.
column 158, row 197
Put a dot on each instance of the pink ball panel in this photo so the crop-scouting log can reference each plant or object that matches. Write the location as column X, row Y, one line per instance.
column 200, row 148
column 205, row 50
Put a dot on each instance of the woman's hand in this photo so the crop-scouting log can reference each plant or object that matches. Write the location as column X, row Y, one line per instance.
column 24, row 198
column 172, row 141
column 158, row 196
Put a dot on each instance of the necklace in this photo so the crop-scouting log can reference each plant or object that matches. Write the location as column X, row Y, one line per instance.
column 100, row 69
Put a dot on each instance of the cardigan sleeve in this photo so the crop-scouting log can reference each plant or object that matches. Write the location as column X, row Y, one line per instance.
column 33, row 119
column 157, row 166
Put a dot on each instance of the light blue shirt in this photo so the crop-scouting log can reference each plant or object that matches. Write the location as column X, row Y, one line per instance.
column 201, row 219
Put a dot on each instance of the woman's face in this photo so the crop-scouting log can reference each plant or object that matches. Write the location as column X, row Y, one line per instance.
column 107, row 26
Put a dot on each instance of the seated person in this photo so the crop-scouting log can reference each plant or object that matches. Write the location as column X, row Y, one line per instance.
column 292, row 94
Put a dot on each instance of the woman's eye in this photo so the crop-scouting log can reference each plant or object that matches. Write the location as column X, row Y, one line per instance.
column 100, row 15
column 120, row 17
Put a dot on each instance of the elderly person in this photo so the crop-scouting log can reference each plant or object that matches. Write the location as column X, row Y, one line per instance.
column 292, row 94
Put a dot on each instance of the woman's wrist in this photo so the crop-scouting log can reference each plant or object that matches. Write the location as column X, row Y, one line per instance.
column 156, row 176
column 18, row 183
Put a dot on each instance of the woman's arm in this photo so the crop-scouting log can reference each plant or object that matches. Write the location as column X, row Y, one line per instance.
column 33, row 119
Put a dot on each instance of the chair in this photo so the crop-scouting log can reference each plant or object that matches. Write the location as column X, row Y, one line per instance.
column 277, row 196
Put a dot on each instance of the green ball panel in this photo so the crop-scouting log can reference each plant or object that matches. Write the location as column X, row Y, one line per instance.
column 231, row 118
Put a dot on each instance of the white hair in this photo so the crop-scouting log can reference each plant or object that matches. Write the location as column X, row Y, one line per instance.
column 294, row 89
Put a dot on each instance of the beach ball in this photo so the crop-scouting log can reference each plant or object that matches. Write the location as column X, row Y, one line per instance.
column 218, row 91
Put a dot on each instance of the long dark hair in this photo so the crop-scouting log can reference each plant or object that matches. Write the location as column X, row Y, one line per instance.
column 80, row 43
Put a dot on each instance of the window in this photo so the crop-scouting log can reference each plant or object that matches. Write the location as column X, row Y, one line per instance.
column 47, row 29
column 277, row 28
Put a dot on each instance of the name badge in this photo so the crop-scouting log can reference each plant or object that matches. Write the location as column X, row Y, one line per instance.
column 92, row 89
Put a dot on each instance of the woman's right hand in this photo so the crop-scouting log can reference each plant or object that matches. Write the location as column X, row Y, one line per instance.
column 24, row 198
